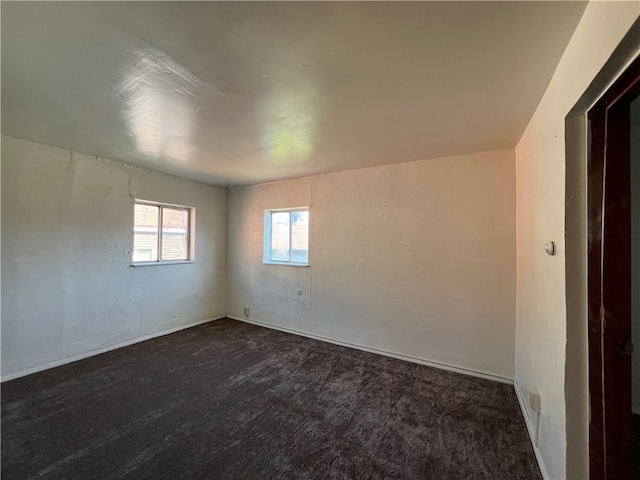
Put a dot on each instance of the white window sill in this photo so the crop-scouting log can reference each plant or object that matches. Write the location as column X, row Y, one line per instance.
column 286, row 264
column 152, row 264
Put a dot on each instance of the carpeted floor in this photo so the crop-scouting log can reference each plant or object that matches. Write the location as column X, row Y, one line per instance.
column 230, row 400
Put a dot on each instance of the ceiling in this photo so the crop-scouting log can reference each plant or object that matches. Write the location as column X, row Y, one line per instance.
column 232, row 93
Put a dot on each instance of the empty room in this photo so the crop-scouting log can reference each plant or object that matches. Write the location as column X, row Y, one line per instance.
column 327, row 240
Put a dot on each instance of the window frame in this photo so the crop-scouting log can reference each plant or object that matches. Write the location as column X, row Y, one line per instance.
column 266, row 256
column 191, row 217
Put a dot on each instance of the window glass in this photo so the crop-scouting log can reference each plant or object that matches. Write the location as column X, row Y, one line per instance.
column 162, row 233
column 145, row 233
column 280, row 231
column 300, row 237
column 175, row 228
column 286, row 236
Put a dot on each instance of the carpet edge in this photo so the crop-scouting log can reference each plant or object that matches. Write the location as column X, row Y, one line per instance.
column 400, row 356
column 93, row 353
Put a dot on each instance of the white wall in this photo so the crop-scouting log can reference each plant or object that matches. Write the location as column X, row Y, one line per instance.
column 67, row 284
column 541, row 330
column 416, row 259
column 635, row 252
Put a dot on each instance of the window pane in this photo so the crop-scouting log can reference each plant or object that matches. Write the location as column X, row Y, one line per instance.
column 280, row 236
column 300, row 237
column 145, row 233
column 175, row 234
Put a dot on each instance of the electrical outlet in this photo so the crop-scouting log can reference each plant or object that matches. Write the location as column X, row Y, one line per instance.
column 534, row 400
column 247, row 311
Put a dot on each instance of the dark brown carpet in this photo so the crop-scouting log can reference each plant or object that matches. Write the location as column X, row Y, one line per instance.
column 231, row 400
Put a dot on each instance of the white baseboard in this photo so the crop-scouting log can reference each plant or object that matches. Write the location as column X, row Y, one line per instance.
column 92, row 353
column 408, row 358
column 531, row 430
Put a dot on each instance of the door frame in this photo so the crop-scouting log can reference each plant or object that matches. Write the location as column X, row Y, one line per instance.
column 609, row 278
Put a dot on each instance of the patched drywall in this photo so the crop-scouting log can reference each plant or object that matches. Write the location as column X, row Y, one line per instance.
column 635, row 252
column 541, row 330
column 415, row 259
column 67, row 228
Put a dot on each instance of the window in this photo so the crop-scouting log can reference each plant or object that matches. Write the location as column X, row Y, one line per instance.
column 286, row 236
column 162, row 233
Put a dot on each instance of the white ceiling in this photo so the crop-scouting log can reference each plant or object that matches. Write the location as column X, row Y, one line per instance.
column 242, row 92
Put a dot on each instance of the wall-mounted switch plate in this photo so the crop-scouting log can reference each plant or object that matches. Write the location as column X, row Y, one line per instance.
column 247, row 311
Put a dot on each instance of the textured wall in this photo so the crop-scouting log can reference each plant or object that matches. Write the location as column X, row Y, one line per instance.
column 67, row 228
column 541, row 331
column 415, row 258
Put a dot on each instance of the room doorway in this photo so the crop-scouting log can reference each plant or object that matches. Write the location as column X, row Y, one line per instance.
column 614, row 278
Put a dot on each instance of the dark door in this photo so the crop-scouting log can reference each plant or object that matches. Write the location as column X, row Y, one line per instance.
column 609, row 282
